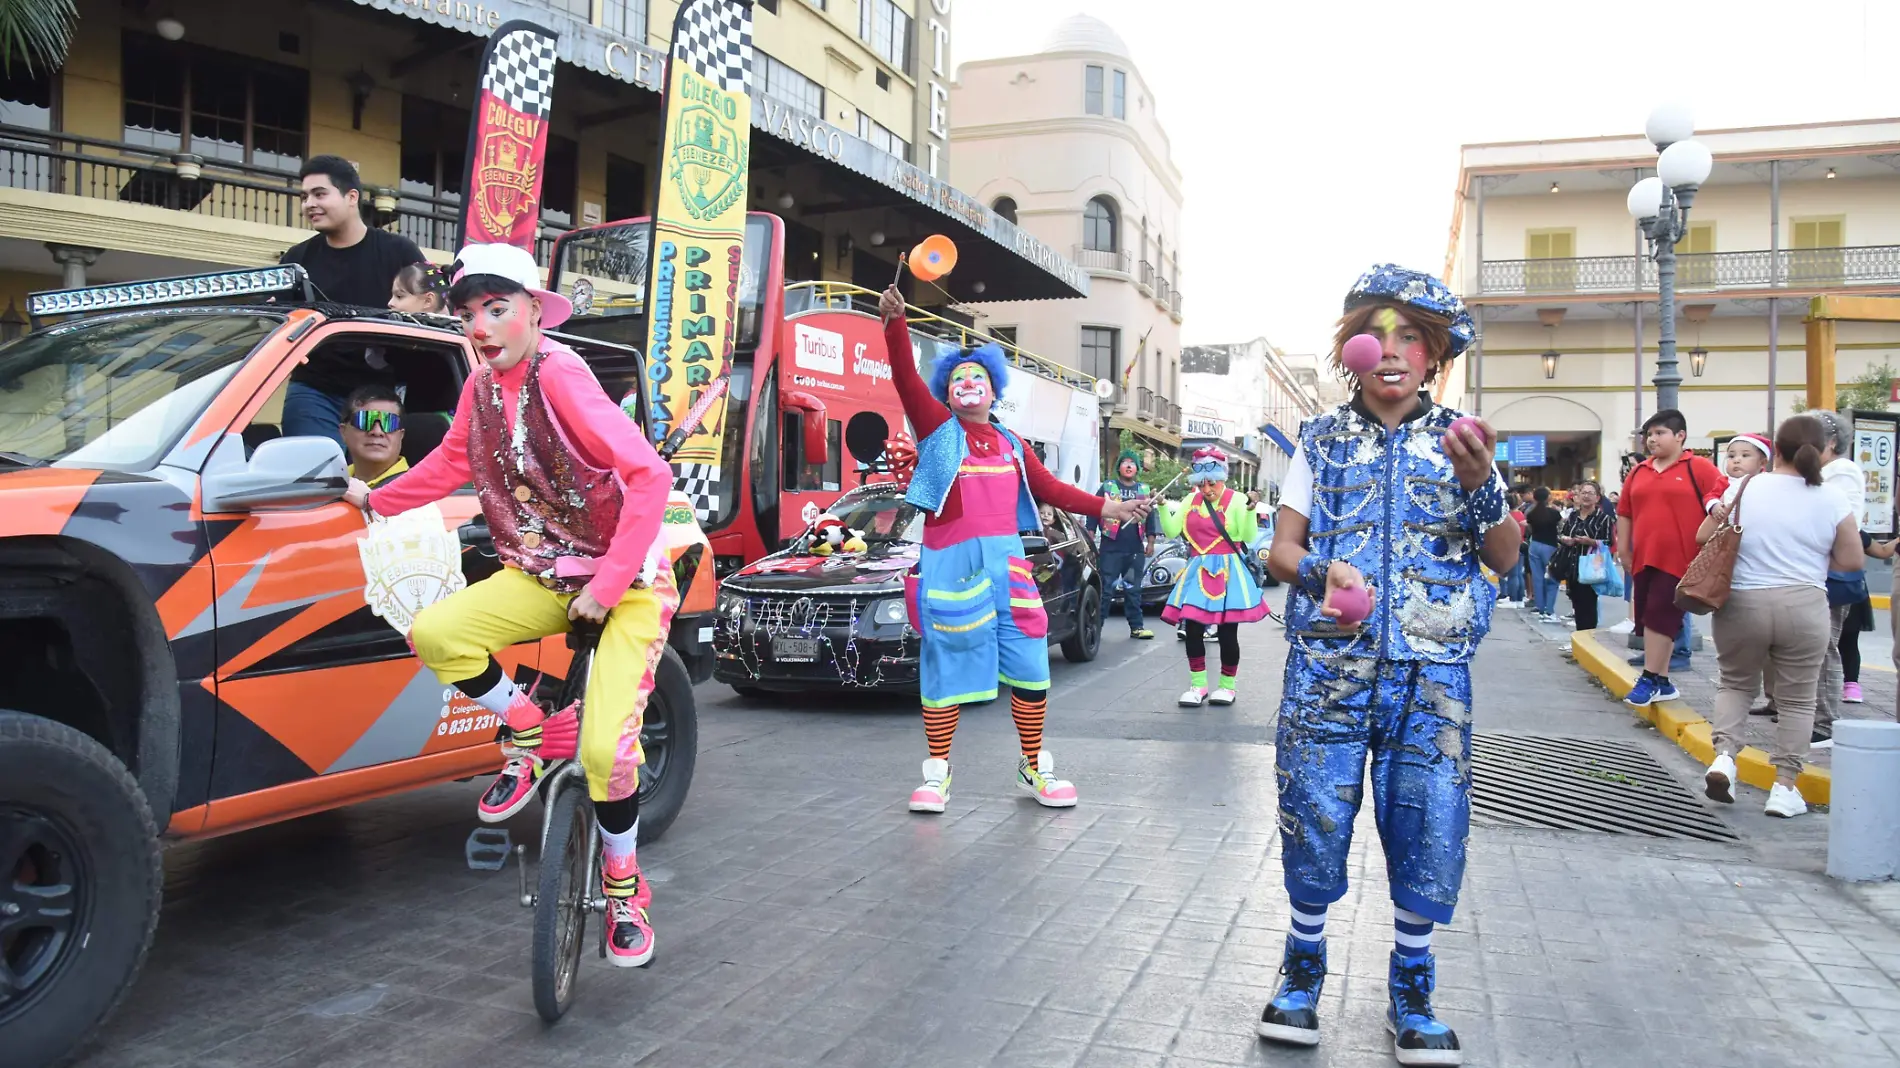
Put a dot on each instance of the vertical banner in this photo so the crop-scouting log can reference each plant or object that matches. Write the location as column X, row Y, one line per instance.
column 699, row 240
column 508, row 137
column 1874, row 450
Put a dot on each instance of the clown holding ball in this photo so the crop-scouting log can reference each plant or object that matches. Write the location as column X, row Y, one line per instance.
column 1389, row 507
column 976, row 601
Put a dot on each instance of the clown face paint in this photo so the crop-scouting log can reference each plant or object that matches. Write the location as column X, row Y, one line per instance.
column 504, row 330
column 1128, row 470
column 971, row 394
column 1400, row 372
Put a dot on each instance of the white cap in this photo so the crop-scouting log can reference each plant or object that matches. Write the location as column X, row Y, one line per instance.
column 516, row 265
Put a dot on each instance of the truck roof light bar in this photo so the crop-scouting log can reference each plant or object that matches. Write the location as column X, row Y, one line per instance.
column 286, row 278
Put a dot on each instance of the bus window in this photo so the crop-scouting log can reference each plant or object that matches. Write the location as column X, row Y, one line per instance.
column 801, row 476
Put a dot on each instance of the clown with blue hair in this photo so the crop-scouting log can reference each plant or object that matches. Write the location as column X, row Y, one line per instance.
column 1390, row 509
column 1216, row 588
column 973, row 596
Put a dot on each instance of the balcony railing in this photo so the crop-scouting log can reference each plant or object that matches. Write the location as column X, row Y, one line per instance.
column 109, row 170
column 1096, row 259
column 1795, row 268
column 1162, row 292
column 1147, row 277
column 1174, row 305
column 1154, row 408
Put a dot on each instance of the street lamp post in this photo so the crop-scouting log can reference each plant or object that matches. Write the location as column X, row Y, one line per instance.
column 1660, row 206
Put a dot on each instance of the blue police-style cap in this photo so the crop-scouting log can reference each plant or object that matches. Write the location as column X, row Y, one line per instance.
column 1389, row 281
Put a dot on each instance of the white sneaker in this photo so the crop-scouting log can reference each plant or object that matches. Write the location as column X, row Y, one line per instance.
column 1627, row 626
column 1223, row 695
column 1193, row 697
column 930, row 797
column 1785, row 801
column 1719, row 783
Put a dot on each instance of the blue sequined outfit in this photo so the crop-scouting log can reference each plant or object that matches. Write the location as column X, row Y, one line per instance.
column 1399, row 690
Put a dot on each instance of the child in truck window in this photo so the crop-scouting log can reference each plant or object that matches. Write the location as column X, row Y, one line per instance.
column 419, row 289
column 573, row 494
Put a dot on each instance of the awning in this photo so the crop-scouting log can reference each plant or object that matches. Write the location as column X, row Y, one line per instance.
column 1163, row 438
column 1010, row 263
column 1279, row 439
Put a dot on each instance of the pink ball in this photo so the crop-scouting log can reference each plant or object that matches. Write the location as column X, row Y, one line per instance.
column 1353, row 604
column 1477, row 428
column 1361, row 353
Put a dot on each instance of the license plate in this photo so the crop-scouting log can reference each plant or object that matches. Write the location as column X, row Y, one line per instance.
column 795, row 650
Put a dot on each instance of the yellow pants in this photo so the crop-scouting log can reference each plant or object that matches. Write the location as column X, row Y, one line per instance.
column 456, row 636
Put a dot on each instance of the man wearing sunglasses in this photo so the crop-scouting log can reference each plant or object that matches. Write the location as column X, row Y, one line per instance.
column 372, row 432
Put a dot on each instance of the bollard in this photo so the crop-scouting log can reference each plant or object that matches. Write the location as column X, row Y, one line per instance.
column 1863, row 824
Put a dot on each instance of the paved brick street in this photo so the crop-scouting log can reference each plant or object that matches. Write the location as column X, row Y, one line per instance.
column 804, row 917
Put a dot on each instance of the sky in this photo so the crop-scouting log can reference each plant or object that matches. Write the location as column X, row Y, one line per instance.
column 1317, row 138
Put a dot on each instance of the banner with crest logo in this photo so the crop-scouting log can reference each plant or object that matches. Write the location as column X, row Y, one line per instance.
column 508, row 137
column 698, row 238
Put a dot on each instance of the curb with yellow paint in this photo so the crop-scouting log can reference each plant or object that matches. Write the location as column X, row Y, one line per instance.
column 1685, row 726
column 1880, row 600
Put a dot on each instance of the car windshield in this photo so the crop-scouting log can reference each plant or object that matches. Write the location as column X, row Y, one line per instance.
column 884, row 518
column 117, row 393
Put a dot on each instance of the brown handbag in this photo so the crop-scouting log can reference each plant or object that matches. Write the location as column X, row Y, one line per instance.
column 1704, row 586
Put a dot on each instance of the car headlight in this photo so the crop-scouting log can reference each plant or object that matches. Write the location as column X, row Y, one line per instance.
column 731, row 606
column 890, row 613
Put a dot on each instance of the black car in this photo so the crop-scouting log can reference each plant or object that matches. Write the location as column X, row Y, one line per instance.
column 799, row 621
column 1157, row 576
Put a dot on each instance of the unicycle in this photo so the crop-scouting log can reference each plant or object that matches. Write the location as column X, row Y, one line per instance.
column 567, row 892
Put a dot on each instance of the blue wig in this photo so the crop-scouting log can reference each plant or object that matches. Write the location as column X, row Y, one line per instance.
column 989, row 356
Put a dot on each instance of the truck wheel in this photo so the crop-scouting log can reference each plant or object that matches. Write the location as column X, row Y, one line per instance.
column 670, row 737
column 80, row 881
column 1081, row 647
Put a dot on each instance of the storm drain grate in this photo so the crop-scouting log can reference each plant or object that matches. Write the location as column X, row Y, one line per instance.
column 1583, row 784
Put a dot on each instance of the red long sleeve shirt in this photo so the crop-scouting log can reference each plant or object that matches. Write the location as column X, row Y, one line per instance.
column 926, row 413
column 603, row 435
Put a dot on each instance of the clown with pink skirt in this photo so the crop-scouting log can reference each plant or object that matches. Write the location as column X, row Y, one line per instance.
column 1215, row 588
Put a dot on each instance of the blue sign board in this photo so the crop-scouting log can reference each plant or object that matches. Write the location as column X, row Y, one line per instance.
column 1527, row 451
column 1503, row 452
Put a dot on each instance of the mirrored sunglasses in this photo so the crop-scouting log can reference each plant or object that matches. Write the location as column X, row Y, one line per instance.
column 371, row 419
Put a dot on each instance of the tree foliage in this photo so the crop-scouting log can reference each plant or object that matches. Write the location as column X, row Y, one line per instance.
column 1869, row 391
column 35, row 34
column 1158, row 468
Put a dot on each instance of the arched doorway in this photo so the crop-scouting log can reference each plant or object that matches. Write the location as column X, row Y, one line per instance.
column 1573, row 440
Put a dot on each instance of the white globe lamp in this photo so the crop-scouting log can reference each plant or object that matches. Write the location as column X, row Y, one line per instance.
column 1668, row 124
column 1645, row 199
column 1685, row 164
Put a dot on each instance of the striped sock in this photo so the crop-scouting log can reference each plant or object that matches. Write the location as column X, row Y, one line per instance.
column 940, row 725
column 1411, row 933
column 1309, row 924
column 1027, row 708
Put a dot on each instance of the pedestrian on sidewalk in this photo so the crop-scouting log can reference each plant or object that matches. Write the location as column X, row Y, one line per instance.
column 1794, row 530
column 1665, row 498
column 1511, row 589
column 1750, row 454
column 1395, row 499
column 1215, row 587
column 977, row 605
column 1543, row 521
column 1125, row 547
column 1583, row 531
column 1839, row 470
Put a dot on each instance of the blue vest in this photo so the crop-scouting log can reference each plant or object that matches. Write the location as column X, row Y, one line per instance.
column 1388, row 503
column 940, row 455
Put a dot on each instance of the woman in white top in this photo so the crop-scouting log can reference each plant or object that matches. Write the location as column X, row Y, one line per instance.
column 1794, row 529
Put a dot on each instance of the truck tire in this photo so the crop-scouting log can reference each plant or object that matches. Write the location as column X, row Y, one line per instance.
column 71, row 817
column 671, row 737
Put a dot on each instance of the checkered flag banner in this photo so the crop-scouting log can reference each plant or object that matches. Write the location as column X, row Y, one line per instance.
column 508, row 137
column 700, row 483
column 714, row 39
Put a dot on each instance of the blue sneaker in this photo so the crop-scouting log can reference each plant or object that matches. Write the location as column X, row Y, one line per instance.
column 1667, row 691
column 1643, row 693
column 1418, row 1037
column 1293, row 1014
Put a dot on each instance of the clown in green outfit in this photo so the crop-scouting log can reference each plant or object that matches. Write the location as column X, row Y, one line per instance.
column 1125, row 547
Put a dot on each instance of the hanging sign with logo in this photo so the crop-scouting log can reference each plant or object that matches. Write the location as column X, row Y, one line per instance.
column 1874, row 451
column 508, row 137
column 699, row 237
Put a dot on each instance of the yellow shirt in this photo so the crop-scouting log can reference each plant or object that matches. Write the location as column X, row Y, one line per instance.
column 395, row 469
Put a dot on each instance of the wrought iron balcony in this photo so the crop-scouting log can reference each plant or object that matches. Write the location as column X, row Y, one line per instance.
column 1097, row 259
column 1146, row 278
column 1804, row 268
column 1174, row 305
column 1162, row 292
column 53, row 162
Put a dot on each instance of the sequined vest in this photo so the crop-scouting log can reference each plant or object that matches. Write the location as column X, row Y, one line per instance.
column 1388, row 503
column 542, row 501
column 940, row 455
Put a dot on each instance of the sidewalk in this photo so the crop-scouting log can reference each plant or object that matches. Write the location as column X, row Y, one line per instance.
column 804, row 918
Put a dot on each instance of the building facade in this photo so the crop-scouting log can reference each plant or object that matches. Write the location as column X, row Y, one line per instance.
column 1558, row 276
column 169, row 141
column 1249, row 398
column 1067, row 142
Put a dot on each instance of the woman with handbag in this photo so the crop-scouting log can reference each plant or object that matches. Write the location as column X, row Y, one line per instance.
column 1585, row 533
column 1217, row 586
column 1786, row 530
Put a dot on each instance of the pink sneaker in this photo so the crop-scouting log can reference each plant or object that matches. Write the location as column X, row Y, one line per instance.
column 512, row 789
column 1850, row 693
column 1040, row 780
column 930, row 797
column 628, row 933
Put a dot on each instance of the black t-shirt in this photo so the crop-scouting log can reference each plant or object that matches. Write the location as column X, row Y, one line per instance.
column 1543, row 520
column 360, row 274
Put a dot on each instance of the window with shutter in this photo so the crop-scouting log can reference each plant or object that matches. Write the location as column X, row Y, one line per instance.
column 1553, row 266
column 1814, row 254
column 1695, row 256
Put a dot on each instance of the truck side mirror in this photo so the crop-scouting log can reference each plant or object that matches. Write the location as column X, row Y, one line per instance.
column 812, row 411
column 284, row 474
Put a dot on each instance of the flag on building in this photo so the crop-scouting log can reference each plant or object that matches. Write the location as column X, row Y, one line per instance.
column 1128, row 372
column 508, row 137
column 698, row 238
